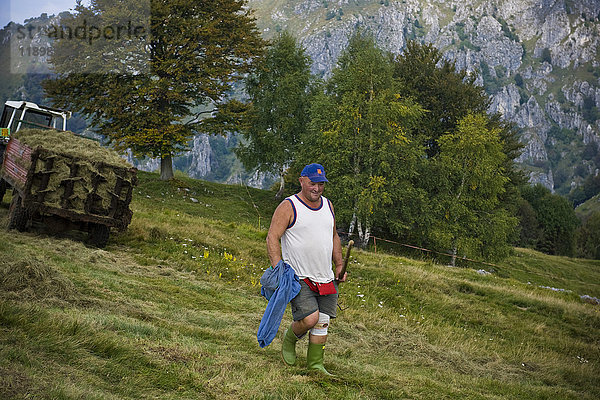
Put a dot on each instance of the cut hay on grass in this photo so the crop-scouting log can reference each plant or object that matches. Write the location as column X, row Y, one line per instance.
column 171, row 308
column 32, row 279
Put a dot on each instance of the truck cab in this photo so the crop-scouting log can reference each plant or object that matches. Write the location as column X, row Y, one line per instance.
column 17, row 115
column 20, row 114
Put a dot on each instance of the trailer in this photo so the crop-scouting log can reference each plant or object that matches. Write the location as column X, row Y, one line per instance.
column 65, row 190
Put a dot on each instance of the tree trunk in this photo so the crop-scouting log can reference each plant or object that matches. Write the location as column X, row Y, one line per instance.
column 453, row 259
column 166, row 167
column 279, row 194
column 352, row 224
column 363, row 235
column 366, row 235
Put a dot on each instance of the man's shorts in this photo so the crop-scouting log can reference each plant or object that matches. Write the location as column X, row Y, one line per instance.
column 307, row 302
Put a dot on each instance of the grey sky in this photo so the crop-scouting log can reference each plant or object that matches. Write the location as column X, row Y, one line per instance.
column 20, row 10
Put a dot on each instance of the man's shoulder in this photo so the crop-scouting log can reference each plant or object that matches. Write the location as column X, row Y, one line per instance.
column 285, row 206
column 292, row 201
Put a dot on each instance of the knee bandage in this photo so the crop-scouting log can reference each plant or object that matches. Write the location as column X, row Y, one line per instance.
column 320, row 329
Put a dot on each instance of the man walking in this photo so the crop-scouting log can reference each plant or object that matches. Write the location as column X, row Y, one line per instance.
column 305, row 225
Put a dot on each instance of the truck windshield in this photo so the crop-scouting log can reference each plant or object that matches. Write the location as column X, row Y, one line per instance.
column 34, row 118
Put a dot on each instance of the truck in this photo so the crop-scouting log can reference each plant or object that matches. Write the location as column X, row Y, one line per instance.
column 61, row 180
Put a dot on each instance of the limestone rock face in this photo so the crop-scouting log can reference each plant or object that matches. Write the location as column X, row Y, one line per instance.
column 201, row 153
column 506, row 102
column 496, row 48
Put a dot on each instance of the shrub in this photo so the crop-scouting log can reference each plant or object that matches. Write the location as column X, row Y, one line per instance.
column 557, row 220
column 519, row 80
column 546, row 56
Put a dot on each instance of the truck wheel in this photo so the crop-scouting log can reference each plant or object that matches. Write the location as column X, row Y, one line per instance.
column 18, row 215
column 98, row 235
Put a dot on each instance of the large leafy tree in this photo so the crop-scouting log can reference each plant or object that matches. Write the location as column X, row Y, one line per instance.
column 360, row 131
column 141, row 92
column 468, row 215
column 446, row 93
column 449, row 96
column 588, row 237
column 278, row 112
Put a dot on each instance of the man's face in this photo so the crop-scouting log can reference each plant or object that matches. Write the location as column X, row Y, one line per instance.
column 311, row 190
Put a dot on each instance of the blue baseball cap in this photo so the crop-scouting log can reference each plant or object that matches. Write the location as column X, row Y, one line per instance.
column 315, row 172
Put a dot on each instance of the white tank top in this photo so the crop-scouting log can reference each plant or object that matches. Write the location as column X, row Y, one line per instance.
column 307, row 243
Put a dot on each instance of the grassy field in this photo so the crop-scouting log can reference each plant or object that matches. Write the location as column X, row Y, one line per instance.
column 170, row 309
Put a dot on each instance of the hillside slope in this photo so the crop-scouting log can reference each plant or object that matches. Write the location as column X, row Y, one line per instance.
column 585, row 210
column 171, row 307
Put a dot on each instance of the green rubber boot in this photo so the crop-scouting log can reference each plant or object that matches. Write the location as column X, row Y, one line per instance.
column 288, row 348
column 314, row 357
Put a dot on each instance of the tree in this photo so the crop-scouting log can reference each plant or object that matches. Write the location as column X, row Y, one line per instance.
column 446, row 93
column 519, row 80
column 279, row 109
column 530, row 231
column 546, row 55
column 556, row 218
column 173, row 56
column 591, row 186
column 360, row 131
column 470, row 178
column 449, row 95
column 588, row 237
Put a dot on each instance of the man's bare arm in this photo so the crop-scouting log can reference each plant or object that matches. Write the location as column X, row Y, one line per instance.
column 338, row 259
column 281, row 219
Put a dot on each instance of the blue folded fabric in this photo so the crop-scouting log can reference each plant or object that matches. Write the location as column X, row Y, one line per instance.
column 279, row 286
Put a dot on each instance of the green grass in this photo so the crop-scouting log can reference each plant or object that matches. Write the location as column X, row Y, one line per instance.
column 170, row 310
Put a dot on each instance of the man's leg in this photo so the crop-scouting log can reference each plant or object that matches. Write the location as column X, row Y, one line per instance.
column 304, row 325
column 316, row 344
column 296, row 331
column 305, row 312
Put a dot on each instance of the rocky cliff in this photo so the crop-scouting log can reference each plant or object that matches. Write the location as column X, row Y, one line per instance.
column 538, row 60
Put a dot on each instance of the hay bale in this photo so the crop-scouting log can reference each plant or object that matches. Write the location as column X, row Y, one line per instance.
column 106, row 187
column 77, row 164
column 69, row 144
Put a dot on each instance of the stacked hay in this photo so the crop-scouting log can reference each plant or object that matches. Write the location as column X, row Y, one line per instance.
column 69, row 144
column 72, row 171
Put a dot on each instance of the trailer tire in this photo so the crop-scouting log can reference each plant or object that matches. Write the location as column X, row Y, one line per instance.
column 98, row 235
column 18, row 215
